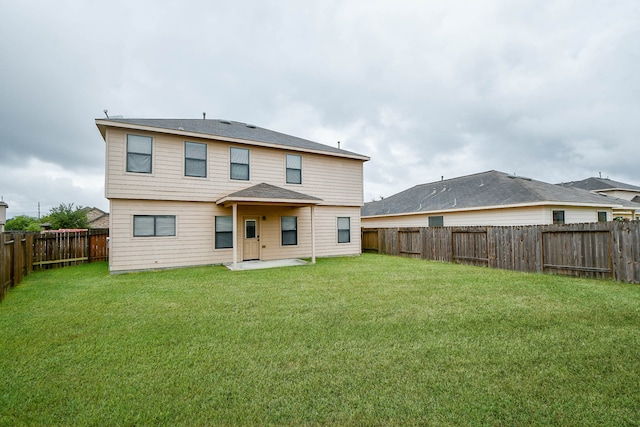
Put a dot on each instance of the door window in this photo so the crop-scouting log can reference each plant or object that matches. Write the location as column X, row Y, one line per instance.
column 250, row 229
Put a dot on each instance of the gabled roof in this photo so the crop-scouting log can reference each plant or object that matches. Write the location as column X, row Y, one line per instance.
column 268, row 194
column 228, row 131
column 595, row 184
column 488, row 189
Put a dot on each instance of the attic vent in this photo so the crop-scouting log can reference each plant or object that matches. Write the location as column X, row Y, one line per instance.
column 226, row 122
column 251, row 126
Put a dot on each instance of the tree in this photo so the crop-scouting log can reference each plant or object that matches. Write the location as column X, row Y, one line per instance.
column 22, row 223
column 66, row 216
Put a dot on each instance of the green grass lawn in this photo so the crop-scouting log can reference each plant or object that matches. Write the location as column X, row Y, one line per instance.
column 370, row 340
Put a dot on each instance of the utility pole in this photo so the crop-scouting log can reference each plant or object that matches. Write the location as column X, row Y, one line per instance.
column 38, row 211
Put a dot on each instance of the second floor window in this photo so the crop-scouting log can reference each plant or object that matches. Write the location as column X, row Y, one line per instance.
column 240, row 163
column 294, row 169
column 139, row 150
column 195, row 159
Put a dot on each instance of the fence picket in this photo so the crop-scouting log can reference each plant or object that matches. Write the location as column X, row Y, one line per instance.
column 21, row 253
column 599, row 250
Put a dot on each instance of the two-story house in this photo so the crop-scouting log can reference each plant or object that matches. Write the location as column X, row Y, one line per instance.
column 186, row 192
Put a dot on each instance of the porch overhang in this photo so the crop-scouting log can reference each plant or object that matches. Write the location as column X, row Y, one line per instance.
column 267, row 194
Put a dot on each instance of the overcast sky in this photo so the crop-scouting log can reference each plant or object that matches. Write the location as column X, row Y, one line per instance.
column 544, row 89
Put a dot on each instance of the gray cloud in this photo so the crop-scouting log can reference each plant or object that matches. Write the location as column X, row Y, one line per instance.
column 545, row 89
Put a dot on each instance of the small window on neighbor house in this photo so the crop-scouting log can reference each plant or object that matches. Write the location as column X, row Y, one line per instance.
column 240, row 163
column 344, row 229
column 558, row 217
column 224, row 232
column 195, row 159
column 294, row 169
column 139, row 153
column 154, row 225
column 436, row 221
column 289, row 230
column 602, row 216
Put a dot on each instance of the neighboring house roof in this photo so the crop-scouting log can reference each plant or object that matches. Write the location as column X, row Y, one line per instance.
column 268, row 193
column 483, row 190
column 600, row 184
column 97, row 218
column 227, row 130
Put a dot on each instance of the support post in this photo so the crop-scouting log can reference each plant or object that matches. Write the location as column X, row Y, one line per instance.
column 313, row 235
column 234, row 233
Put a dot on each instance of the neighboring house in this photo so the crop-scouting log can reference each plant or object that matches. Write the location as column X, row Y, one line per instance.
column 490, row 198
column 3, row 214
column 97, row 218
column 201, row 192
column 609, row 187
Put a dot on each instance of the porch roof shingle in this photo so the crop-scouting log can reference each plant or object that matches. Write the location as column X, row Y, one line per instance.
column 267, row 193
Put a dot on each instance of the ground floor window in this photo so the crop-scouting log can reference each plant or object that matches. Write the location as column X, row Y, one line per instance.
column 344, row 229
column 154, row 225
column 558, row 217
column 224, row 232
column 289, row 225
column 436, row 221
column 602, row 217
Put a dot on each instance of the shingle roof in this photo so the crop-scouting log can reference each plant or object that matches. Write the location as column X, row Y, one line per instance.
column 268, row 192
column 595, row 184
column 237, row 130
column 490, row 188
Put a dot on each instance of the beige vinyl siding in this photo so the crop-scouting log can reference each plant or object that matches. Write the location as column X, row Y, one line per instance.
column 327, row 231
column 192, row 244
column 396, row 221
column 269, row 231
column 575, row 215
column 535, row 215
column 337, row 181
column 325, row 225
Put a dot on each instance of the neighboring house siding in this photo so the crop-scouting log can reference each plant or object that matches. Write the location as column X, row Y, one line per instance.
column 498, row 217
column 337, row 181
column 621, row 194
column 575, row 215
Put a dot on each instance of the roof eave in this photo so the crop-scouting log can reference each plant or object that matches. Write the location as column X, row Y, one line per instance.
column 517, row 205
column 103, row 124
column 230, row 200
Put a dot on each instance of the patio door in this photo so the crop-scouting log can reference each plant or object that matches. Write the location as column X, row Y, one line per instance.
column 251, row 239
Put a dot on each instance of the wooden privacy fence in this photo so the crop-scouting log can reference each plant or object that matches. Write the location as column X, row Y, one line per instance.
column 21, row 253
column 598, row 250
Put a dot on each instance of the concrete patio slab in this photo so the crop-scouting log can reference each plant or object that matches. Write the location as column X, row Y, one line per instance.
column 257, row 265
